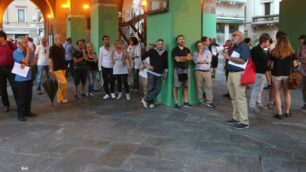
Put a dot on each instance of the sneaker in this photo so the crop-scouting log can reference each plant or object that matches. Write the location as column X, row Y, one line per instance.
column 106, row 97
column 6, row 109
column 40, row 93
column 128, row 97
column 210, row 105
column 177, row 106
column 241, row 126
column 119, row 96
column 144, row 103
column 261, row 107
column 270, row 105
column 83, row 95
column 151, row 106
column 226, row 95
column 287, row 115
column 113, row 95
column 267, row 87
column 22, row 118
column 187, row 105
column 304, row 107
column 278, row 116
column 232, row 122
column 65, row 101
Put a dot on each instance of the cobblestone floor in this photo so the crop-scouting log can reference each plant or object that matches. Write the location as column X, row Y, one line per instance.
column 115, row 136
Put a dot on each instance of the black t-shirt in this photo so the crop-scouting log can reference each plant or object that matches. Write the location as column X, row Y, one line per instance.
column 260, row 58
column 282, row 67
column 57, row 54
column 79, row 54
column 92, row 65
column 180, row 52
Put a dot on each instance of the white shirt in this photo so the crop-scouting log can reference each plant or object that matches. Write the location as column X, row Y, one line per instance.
column 43, row 54
column 119, row 68
column 207, row 56
column 105, row 58
column 135, row 52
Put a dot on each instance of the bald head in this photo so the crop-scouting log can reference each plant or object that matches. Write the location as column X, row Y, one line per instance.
column 59, row 39
column 237, row 37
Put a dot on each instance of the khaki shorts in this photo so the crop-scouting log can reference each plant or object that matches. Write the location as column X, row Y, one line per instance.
column 178, row 83
column 280, row 80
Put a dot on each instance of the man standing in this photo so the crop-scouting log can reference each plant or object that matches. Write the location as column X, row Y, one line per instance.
column 105, row 64
column 237, row 63
column 213, row 48
column 181, row 56
column 58, row 68
column 42, row 54
column 6, row 65
column 260, row 56
column 68, row 56
column 158, row 66
column 202, row 59
column 24, row 84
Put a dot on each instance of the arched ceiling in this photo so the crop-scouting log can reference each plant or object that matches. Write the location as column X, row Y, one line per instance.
column 45, row 6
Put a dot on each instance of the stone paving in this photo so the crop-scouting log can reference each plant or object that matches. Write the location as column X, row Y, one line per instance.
column 118, row 136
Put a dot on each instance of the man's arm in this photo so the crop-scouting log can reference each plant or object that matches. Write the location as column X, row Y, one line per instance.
column 183, row 58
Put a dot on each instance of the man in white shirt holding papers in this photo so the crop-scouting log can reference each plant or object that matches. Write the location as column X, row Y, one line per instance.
column 237, row 63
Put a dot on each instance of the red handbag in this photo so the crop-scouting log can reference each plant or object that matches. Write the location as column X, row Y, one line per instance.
column 249, row 75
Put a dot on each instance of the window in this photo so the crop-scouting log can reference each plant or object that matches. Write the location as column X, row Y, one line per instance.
column 21, row 15
column 267, row 8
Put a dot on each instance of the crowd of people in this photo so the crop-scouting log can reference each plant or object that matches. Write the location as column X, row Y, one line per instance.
column 274, row 63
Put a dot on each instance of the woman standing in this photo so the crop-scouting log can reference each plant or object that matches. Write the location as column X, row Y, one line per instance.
column 134, row 51
column 80, row 69
column 92, row 68
column 282, row 59
column 122, row 64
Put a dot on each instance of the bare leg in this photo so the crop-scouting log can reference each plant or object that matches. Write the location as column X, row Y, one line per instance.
column 278, row 100
column 185, row 94
column 287, row 94
column 175, row 92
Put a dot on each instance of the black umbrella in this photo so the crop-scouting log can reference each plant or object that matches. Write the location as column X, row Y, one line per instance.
column 51, row 87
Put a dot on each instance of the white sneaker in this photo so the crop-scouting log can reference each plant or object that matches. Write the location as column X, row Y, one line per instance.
column 119, row 96
column 151, row 106
column 128, row 97
column 106, row 97
column 113, row 95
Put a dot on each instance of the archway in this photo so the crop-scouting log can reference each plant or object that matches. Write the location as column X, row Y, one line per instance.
column 47, row 8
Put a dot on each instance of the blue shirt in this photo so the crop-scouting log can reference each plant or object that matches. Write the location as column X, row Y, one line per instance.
column 244, row 50
column 18, row 56
column 68, row 51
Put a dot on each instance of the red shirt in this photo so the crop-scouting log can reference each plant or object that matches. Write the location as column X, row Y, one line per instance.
column 6, row 54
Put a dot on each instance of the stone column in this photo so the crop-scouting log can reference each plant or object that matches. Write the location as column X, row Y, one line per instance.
column 104, row 21
column 209, row 18
column 182, row 18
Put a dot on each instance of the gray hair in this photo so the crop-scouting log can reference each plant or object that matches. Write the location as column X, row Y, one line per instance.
column 20, row 39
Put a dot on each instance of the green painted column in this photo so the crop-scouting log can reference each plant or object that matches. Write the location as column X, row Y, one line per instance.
column 292, row 19
column 209, row 18
column 104, row 21
column 76, row 28
column 183, row 17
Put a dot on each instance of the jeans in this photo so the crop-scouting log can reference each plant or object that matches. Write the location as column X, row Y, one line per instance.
column 239, row 101
column 136, row 79
column 124, row 78
column 24, row 97
column 256, row 90
column 108, row 78
column 91, row 75
column 40, row 69
column 6, row 75
column 154, row 87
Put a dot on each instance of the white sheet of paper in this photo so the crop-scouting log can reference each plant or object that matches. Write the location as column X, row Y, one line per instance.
column 19, row 71
column 235, row 54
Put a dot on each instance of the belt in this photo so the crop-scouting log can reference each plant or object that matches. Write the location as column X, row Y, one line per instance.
column 235, row 71
column 203, row 70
